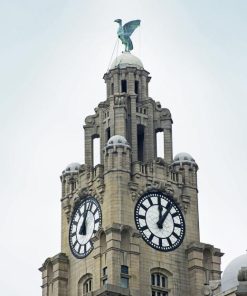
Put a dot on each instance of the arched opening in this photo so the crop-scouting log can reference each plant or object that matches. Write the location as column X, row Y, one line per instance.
column 160, row 143
column 140, row 142
column 96, row 150
column 85, row 285
column 107, row 134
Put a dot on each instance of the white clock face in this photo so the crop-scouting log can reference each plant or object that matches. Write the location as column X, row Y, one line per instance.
column 160, row 221
column 86, row 221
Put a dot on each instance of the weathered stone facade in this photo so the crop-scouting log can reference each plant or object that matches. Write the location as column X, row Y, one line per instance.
column 126, row 172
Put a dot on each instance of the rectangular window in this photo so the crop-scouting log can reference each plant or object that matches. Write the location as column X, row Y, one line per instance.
column 124, row 282
column 153, row 279
column 124, row 269
column 158, row 280
column 107, row 134
column 104, row 271
column 136, row 87
column 163, row 282
column 140, row 142
column 124, row 86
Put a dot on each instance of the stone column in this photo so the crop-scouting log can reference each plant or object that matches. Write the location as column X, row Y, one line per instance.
column 168, row 157
column 88, row 146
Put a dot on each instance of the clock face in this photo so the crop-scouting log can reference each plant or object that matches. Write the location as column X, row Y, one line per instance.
column 160, row 221
column 85, row 222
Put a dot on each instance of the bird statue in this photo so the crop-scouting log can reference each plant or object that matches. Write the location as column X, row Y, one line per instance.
column 124, row 32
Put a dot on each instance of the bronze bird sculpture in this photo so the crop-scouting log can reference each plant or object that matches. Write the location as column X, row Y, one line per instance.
column 124, row 32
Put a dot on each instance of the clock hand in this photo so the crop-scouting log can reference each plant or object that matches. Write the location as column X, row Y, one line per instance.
column 83, row 230
column 162, row 218
column 160, row 211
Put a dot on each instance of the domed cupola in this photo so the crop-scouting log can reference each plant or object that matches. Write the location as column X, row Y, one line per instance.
column 126, row 59
column 117, row 154
column 71, row 168
column 69, row 178
column 127, row 76
column 117, row 140
column 184, row 158
column 230, row 275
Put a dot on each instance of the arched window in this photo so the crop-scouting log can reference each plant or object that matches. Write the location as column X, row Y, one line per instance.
column 159, row 284
column 85, row 285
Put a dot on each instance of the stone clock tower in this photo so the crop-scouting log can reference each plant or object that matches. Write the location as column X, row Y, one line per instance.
column 130, row 224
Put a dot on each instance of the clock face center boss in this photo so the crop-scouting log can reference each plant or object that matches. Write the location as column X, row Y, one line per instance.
column 160, row 221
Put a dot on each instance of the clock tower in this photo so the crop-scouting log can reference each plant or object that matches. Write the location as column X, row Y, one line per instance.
column 130, row 224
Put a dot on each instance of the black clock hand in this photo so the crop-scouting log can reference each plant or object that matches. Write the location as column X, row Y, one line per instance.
column 160, row 211
column 83, row 229
column 162, row 219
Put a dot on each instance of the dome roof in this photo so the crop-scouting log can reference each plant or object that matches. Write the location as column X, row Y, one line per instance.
column 230, row 275
column 72, row 168
column 117, row 140
column 183, row 157
column 126, row 59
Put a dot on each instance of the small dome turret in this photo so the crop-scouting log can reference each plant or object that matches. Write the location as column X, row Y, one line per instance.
column 184, row 158
column 230, row 275
column 126, row 59
column 117, row 140
column 72, row 168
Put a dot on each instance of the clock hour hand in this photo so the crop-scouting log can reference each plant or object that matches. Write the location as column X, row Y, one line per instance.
column 162, row 218
column 83, row 230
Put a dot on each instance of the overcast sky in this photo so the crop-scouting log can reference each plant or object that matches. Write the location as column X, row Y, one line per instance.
column 53, row 57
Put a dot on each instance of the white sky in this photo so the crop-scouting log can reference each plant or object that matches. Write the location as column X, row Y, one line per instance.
column 53, row 57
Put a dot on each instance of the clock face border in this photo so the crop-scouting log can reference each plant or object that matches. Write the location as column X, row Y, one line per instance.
column 76, row 212
column 175, row 206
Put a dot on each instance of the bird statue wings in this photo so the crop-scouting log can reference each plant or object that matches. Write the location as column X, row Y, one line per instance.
column 124, row 32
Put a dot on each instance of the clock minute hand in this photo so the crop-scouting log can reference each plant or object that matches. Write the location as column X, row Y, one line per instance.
column 83, row 230
column 162, row 218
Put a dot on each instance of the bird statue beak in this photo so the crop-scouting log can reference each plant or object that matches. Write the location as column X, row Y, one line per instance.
column 117, row 21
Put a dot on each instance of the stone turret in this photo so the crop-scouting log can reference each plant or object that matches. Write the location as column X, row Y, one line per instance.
column 69, row 178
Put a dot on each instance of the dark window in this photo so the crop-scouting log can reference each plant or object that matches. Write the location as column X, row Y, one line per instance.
column 163, row 281
column 159, row 284
column 108, row 134
column 124, row 85
column 87, row 287
column 124, row 269
column 124, row 276
column 158, row 280
column 137, row 87
column 104, row 271
column 140, row 142
column 112, row 88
